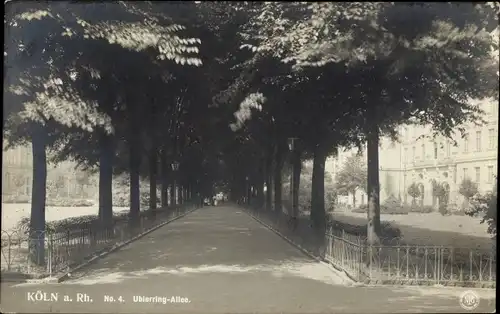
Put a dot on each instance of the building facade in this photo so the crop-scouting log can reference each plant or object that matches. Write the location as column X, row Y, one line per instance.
column 419, row 158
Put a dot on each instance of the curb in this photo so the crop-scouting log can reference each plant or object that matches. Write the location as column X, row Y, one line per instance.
column 347, row 280
column 116, row 247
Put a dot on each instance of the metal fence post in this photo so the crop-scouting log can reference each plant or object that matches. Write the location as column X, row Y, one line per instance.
column 343, row 249
column 470, row 266
column 407, row 261
column 370, row 257
column 9, row 261
column 49, row 257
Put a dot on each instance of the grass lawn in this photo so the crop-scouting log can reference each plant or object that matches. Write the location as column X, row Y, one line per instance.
column 431, row 229
column 13, row 213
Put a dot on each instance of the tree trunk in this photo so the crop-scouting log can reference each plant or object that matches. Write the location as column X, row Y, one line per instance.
column 354, row 198
column 278, row 172
column 164, row 178
column 181, row 194
column 269, row 185
column 295, row 182
column 260, row 184
column 135, row 164
column 173, row 201
column 318, row 188
column 153, row 170
column 38, row 194
column 373, row 226
column 106, row 155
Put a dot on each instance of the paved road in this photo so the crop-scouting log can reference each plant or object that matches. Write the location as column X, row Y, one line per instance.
column 222, row 261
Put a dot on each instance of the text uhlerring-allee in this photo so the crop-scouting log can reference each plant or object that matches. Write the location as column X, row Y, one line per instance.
column 157, row 299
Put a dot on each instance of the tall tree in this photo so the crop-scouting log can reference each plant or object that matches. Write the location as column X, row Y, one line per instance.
column 352, row 176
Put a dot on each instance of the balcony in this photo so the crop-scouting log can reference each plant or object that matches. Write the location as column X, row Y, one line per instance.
column 431, row 162
column 447, row 161
column 419, row 163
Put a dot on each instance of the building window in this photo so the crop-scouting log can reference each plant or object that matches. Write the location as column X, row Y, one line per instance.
column 423, row 151
column 478, row 174
column 490, row 174
column 466, row 143
column 478, row 141
column 414, row 153
column 492, row 138
column 466, row 175
column 435, row 150
column 362, row 199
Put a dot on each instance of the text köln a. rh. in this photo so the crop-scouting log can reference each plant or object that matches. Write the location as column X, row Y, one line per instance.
column 41, row 296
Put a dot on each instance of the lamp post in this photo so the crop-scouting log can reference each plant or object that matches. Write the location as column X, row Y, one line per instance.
column 291, row 146
column 199, row 193
column 173, row 197
column 247, row 190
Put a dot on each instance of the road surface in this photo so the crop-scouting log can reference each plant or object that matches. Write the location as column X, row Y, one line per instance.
column 220, row 260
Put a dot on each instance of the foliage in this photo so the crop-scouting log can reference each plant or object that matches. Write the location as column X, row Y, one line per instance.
column 352, row 176
column 388, row 231
column 387, row 209
column 380, row 60
column 392, row 201
column 468, row 188
column 16, row 199
column 421, row 209
column 393, row 206
column 486, row 205
column 436, row 188
column 121, row 192
column 414, row 191
column 68, row 61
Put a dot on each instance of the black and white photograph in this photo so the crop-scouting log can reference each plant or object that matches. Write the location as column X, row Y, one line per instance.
column 249, row 157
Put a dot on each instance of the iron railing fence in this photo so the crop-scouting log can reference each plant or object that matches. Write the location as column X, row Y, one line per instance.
column 392, row 261
column 48, row 253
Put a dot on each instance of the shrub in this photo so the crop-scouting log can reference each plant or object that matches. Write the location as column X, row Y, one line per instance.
column 458, row 213
column 414, row 192
column 421, row 209
column 443, row 209
column 486, row 205
column 392, row 201
column 70, row 202
column 393, row 210
column 384, row 209
column 387, row 231
column 57, row 201
column 72, row 223
column 393, row 206
column 360, row 209
column 341, row 208
column 121, row 193
column 16, row 199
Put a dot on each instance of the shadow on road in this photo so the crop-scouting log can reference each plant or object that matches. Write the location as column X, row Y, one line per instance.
column 218, row 239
